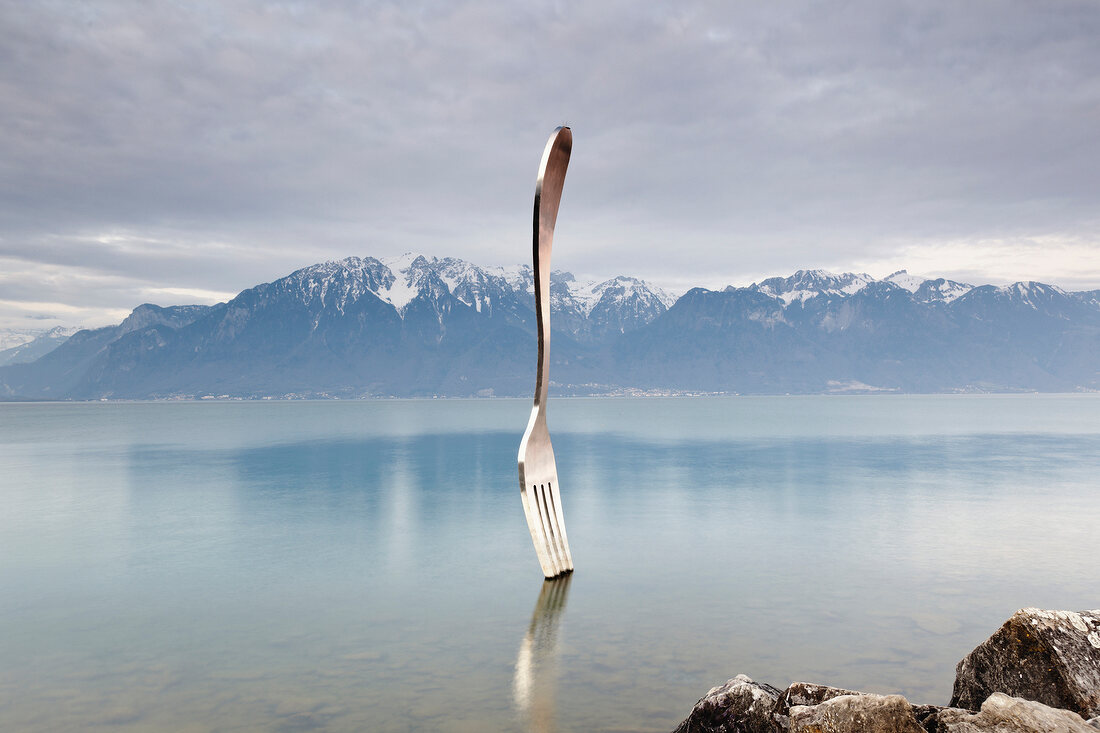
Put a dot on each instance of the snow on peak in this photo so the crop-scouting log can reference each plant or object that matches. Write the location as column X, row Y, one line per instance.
column 518, row 277
column 11, row 338
column 941, row 290
column 337, row 282
column 399, row 280
column 1031, row 293
column 633, row 287
column 400, row 292
column 411, row 274
column 1091, row 297
column 807, row 284
column 902, row 278
column 588, row 294
column 591, row 293
column 402, row 263
column 481, row 287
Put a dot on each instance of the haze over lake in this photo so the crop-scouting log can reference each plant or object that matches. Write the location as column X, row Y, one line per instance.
column 365, row 565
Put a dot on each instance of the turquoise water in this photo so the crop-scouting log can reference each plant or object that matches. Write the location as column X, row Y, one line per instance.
column 366, row 565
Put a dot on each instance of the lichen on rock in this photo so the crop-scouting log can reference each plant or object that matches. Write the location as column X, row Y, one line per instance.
column 1047, row 656
column 738, row 706
column 861, row 712
column 803, row 694
column 1001, row 713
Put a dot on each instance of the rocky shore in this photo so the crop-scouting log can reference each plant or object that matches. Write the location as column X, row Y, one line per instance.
column 1038, row 673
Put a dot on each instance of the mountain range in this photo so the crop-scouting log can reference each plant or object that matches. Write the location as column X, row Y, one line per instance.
column 416, row 326
column 24, row 346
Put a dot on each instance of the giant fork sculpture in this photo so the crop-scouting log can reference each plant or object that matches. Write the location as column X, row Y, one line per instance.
column 538, row 474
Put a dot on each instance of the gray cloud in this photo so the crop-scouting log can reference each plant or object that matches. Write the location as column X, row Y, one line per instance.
column 229, row 142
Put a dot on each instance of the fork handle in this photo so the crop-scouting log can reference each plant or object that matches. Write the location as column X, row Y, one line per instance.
column 555, row 159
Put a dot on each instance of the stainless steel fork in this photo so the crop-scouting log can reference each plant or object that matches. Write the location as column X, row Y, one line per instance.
column 538, row 474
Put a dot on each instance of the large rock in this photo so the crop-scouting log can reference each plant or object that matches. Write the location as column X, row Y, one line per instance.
column 739, row 706
column 1052, row 657
column 851, row 713
column 803, row 693
column 1004, row 714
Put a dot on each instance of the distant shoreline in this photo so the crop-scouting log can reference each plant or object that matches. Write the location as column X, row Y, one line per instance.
column 610, row 397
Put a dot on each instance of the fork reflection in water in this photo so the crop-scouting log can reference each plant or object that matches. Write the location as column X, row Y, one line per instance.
column 535, row 681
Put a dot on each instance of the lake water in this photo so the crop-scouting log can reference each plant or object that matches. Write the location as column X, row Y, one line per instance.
column 356, row 566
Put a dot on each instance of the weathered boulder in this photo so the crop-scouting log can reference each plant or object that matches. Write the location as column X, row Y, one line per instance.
column 850, row 713
column 739, row 706
column 803, row 693
column 1052, row 657
column 1038, row 673
column 1004, row 714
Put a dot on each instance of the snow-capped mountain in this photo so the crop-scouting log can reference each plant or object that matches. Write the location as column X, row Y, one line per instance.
column 1088, row 297
column 592, row 294
column 941, row 290
column 1034, row 294
column 929, row 290
column 336, row 284
column 416, row 325
column 12, row 337
column 594, row 309
column 903, row 279
column 479, row 287
column 27, row 345
column 1028, row 295
column 807, row 284
column 585, row 310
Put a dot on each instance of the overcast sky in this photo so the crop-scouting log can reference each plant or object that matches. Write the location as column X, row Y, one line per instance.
column 181, row 152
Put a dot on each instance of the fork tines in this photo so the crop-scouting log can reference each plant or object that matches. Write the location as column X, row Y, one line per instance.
column 548, row 528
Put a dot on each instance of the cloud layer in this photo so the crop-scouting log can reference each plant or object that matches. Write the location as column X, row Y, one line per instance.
column 151, row 150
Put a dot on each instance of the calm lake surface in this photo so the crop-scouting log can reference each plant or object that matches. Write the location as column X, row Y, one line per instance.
column 356, row 566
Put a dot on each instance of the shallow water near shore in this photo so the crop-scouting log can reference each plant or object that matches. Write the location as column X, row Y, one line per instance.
column 349, row 566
